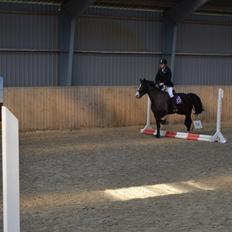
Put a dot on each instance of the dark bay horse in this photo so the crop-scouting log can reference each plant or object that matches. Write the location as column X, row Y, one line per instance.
column 161, row 104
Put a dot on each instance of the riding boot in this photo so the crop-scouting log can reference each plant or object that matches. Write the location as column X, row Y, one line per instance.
column 174, row 106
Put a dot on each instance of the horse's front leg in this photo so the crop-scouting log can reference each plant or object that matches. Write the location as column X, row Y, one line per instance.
column 188, row 122
column 158, row 120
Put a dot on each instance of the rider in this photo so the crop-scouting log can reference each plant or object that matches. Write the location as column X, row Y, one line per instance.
column 163, row 79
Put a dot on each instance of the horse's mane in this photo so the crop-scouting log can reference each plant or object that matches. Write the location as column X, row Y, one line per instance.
column 151, row 83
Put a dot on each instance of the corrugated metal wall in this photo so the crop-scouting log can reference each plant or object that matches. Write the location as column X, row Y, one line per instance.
column 100, row 34
column 28, row 31
column 204, row 49
column 29, row 68
column 204, row 52
column 113, row 47
column 115, row 51
column 204, row 70
column 29, row 50
column 113, row 69
column 204, row 38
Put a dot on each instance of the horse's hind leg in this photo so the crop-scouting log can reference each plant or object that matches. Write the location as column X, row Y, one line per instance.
column 188, row 122
column 157, row 118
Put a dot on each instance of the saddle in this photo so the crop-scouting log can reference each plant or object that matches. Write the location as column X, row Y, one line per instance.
column 177, row 97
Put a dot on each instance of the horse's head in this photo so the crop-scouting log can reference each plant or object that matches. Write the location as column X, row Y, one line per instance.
column 143, row 88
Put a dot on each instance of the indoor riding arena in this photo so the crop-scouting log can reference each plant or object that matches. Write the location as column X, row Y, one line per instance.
column 80, row 151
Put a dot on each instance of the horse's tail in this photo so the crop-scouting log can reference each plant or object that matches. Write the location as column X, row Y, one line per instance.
column 197, row 104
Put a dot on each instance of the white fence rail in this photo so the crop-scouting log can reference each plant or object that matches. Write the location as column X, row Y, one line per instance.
column 10, row 169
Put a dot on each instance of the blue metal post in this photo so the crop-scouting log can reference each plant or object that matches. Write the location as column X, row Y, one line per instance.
column 71, row 52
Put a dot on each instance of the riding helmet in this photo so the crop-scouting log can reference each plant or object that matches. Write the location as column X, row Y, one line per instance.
column 163, row 61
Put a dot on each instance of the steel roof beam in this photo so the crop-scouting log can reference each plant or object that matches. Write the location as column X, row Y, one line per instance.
column 75, row 8
column 186, row 7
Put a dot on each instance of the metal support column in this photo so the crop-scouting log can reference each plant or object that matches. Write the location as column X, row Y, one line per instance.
column 70, row 12
column 64, row 39
column 172, row 17
column 71, row 52
column 170, row 35
column 173, row 54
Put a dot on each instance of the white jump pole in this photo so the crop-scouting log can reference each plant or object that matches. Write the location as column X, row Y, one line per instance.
column 148, row 123
column 217, row 137
column 10, row 169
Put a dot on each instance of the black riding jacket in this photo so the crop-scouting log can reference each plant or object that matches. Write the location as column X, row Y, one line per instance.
column 164, row 76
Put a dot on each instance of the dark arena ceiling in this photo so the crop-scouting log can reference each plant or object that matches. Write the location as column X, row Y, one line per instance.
column 212, row 6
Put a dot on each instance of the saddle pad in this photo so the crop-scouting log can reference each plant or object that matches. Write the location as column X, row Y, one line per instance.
column 178, row 100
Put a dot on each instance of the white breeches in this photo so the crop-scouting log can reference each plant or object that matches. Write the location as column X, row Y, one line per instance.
column 170, row 91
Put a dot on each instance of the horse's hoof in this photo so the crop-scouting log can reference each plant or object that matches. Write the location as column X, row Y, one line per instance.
column 157, row 135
